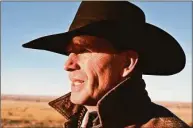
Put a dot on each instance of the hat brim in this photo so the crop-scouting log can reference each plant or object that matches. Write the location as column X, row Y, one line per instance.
column 161, row 54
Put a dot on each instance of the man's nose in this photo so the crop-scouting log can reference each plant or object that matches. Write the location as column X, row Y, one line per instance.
column 71, row 64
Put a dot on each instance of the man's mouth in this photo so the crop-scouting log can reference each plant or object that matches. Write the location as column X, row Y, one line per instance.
column 77, row 85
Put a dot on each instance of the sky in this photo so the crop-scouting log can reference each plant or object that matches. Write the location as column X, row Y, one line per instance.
column 38, row 72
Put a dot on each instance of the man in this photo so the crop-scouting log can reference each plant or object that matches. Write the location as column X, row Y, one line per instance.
column 109, row 46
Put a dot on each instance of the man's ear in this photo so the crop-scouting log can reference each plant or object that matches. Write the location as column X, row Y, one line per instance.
column 131, row 59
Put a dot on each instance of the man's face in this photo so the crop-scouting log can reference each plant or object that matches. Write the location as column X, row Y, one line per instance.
column 94, row 68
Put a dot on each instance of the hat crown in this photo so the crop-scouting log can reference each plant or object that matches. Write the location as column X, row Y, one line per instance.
column 118, row 11
column 123, row 24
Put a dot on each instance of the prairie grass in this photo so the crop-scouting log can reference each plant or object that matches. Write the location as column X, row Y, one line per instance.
column 38, row 114
column 29, row 114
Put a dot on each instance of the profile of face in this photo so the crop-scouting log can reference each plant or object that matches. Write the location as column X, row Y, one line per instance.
column 95, row 67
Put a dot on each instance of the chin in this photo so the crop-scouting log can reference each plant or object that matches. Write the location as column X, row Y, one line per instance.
column 77, row 99
column 81, row 100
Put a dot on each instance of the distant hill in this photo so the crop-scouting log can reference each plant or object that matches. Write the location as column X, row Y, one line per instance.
column 27, row 97
column 50, row 98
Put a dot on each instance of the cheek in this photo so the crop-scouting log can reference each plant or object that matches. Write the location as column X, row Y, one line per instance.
column 108, row 69
column 89, row 66
column 101, row 68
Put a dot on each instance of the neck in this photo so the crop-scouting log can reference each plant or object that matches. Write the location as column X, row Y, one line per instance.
column 91, row 108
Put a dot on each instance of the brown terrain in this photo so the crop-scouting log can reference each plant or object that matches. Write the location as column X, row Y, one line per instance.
column 34, row 111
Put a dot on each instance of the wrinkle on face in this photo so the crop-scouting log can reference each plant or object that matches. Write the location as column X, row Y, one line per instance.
column 100, row 62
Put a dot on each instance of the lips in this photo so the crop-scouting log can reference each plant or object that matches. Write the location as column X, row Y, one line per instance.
column 76, row 84
column 77, row 81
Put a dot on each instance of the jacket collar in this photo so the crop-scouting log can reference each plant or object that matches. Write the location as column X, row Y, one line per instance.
column 127, row 102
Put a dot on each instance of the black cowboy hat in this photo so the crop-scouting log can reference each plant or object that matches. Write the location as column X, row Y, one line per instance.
column 124, row 25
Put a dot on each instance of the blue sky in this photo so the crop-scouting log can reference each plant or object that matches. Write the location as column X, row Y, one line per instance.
column 36, row 72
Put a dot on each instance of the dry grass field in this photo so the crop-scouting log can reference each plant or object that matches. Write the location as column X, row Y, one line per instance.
column 33, row 112
column 28, row 112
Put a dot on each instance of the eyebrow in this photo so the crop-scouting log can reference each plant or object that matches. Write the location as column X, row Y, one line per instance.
column 81, row 42
column 77, row 44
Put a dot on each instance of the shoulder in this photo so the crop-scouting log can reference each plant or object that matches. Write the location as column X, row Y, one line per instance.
column 165, row 122
column 162, row 117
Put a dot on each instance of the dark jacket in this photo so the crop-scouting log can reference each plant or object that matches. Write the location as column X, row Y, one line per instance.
column 125, row 106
